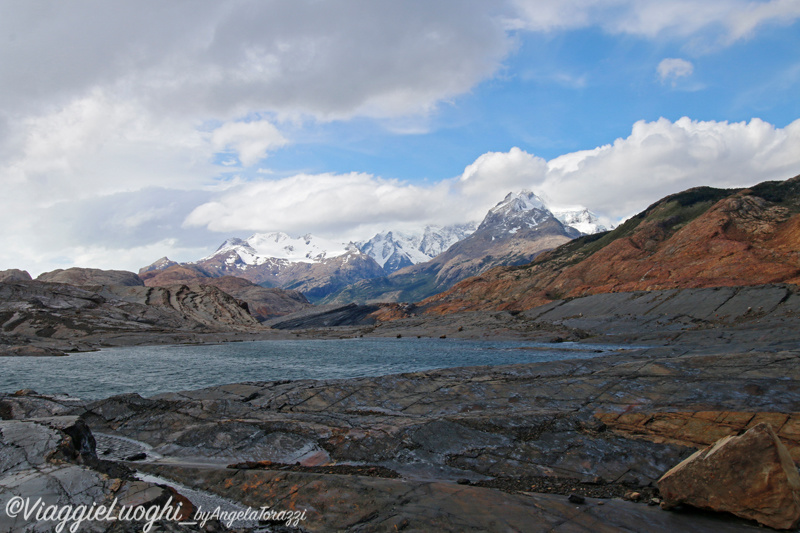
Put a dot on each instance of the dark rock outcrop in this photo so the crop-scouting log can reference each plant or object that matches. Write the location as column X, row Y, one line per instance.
column 500, row 435
column 328, row 316
column 64, row 317
column 52, row 461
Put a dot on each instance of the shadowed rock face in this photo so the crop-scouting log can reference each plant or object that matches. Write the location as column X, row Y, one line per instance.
column 699, row 238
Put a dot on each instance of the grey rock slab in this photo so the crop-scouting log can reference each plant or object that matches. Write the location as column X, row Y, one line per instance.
column 752, row 300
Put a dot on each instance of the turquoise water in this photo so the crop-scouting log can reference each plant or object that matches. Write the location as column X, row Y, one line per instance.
column 149, row 370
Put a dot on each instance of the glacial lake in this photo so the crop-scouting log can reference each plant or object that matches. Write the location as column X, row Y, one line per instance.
column 149, row 370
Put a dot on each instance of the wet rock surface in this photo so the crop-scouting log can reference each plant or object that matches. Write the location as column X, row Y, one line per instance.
column 475, row 449
column 467, row 449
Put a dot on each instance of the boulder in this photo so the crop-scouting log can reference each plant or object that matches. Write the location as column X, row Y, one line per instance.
column 751, row 476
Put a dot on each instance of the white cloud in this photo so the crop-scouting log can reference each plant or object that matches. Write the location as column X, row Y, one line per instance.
column 99, row 145
column 112, row 101
column 251, row 140
column 324, row 59
column 616, row 180
column 328, row 204
column 663, row 157
column 672, row 68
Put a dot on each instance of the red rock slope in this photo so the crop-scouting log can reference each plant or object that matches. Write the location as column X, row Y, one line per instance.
column 702, row 237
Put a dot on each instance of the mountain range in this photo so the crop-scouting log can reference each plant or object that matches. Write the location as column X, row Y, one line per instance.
column 329, row 270
column 513, row 232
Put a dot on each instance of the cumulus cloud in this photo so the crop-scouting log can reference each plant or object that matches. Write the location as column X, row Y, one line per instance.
column 100, row 145
column 662, row 157
column 330, row 204
column 616, row 180
column 671, row 68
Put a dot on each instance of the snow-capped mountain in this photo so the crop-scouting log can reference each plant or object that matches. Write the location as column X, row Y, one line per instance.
column 309, row 264
column 579, row 218
column 517, row 211
column 261, row 248
column 513, row 232
column 432, row 259
column 394, row 250
column 437, row 239
column 161, row 264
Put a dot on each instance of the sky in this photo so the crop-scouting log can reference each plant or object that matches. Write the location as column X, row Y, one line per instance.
column 135, row 130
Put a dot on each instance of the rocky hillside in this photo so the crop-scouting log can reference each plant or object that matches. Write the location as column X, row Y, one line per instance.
column 513, row 232
column 82, row 309
column 67, row 317
column 702, row 237
column 92, row 276
column 262, row 302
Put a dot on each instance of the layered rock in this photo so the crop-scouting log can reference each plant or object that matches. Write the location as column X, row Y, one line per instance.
column 65, row 316
column 475, row 448
column 751, row 476
column 53, row 462
column 262, row 302
column 204, row 305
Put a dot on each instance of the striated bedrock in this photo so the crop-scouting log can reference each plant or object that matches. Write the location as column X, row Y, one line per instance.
column 262, row 302
column 702, row 237
column 456, row 437
column 36, row 311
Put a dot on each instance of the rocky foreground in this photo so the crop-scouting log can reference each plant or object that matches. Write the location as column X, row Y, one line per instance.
column 573, row 445
column 576, row 445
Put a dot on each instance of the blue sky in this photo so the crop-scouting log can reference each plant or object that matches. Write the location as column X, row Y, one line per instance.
column 134, row 130
column 561, row 93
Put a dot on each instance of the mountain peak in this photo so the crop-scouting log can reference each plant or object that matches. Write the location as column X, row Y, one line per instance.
column 517, row 211
column 524, row 200
column 394, row 250
column 160, row 264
